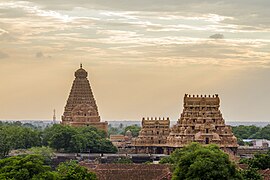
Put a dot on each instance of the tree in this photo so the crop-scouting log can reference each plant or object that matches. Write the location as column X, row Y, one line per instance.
column 58, row 136
column 15, row 136
column 32, row 167
column 259, row 161
column 251, row 174
column 77, row 139
column 245, row 132
column 135, row 129
column 123, row 160
column 72, row 171
column 23, row 167
column 264, row 133
column 202, row 162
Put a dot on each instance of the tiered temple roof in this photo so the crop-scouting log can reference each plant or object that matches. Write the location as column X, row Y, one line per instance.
column 153, row 135
column 201, row 121
column 81, row 108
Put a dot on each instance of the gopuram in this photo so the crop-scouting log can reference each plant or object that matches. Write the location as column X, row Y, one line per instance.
column 81, row 108
column 201, row 121
column 153, row 136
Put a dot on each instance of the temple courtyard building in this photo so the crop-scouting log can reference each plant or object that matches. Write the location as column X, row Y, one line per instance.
column 81, row 108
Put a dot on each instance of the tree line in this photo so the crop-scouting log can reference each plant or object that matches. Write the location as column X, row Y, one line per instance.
column 196, row 161
column 251, row 132
column 34, row 167
column 134, row 129
column 59, row 137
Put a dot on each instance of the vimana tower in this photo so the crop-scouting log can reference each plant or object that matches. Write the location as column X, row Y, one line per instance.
column 81, row 108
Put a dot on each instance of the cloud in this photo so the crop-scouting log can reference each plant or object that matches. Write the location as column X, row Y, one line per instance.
column 41, row 55
column 217, row 36
column 5, row 36
column 3, row 55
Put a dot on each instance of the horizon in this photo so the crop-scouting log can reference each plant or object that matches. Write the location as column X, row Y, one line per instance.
column 141, row 56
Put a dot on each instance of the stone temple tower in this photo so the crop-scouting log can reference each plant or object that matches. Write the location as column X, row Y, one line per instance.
column 81, row 108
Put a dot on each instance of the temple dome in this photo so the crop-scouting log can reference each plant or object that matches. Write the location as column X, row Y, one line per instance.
column 81, row 73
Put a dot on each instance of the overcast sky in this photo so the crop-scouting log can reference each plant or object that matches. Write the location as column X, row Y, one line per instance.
column 142, row 56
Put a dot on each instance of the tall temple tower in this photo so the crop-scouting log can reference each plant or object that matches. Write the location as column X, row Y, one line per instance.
column 81, row 108
column 201, row 121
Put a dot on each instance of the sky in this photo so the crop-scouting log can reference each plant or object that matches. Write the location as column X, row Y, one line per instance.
column 142, row 56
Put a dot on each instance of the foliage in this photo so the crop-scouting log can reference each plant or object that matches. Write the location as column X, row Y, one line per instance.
column 72, row 171
column 77, row 139
column 123, row 160
column 23, row 167
column 62, row 138
column 16, row 136
column 245, row 132
column 259, row 161
column 32, row 167
column 45, row 152
column 264, row 133
column 202, row 162
column 114, row 130
column 251, row 174
column 251, row 132
column 135, row 129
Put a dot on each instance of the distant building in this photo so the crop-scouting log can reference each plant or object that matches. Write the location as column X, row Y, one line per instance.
column 264, row 143
column 201, row 121
column 81, row 108
column 122, row 142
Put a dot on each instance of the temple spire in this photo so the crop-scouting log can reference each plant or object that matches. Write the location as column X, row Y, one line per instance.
column 81, row 108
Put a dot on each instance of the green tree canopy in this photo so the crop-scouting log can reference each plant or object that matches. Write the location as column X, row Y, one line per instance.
column 202, row 162
column 135, row 129
column 72, row 171
column 264, row 133
column 245, row 132
column 32, row 167
column 77, row 139
column 23, row 167
column 259, row 161
column 16, row 136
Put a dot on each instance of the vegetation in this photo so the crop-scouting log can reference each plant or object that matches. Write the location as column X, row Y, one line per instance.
column 79, row 139
column 251, row 132
column 134, row 129
column 16, row 136
column 259, row 161
column 202, row 162
column 59, row 137
column 123, row 160
column 33, row 167
column 251, row 174
column 72, row 171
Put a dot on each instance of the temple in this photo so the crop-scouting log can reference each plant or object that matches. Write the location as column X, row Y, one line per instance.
column 81, row 108
column 201, row 121
column 153, row 136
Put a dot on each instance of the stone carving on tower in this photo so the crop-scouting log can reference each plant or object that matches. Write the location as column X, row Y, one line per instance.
column 153, row 136
column 81, row 108
column 201, row 121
